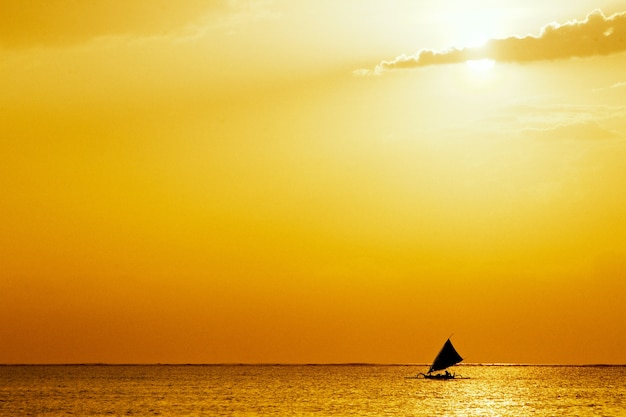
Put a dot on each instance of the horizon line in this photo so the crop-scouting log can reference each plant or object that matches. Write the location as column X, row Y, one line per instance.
column 305, row 364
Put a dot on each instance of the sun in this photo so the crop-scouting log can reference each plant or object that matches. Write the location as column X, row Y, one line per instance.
column 480, row 65
column 476, row 41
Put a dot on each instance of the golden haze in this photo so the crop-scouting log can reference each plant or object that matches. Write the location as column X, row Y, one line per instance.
column 249, row 182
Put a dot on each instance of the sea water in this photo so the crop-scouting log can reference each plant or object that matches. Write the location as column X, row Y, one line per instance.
column 309, row 390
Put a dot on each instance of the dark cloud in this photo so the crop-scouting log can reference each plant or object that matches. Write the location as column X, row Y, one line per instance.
column 54, row 22
column 596, row 35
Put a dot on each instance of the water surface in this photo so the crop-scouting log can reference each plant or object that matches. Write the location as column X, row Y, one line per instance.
column 313, row 390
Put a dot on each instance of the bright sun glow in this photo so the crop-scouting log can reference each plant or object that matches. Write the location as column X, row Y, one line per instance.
column 480, row 64
column 477, row 41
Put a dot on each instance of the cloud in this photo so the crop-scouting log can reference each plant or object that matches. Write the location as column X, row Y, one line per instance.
column 596, row 35
column 619, row 85
column 576, row 131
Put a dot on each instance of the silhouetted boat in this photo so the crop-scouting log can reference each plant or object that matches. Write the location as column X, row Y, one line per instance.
column 447, row 357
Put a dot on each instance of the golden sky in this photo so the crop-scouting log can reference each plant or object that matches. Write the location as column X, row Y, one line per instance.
column 312, row 181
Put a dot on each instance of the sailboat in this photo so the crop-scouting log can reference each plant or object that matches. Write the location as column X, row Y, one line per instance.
column 446, row 357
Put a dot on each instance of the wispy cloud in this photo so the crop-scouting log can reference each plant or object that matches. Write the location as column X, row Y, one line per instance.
column 615, row 86
column 577, row 131
column 597, row 34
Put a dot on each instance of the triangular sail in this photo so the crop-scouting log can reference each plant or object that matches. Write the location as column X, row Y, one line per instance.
column 447, row 356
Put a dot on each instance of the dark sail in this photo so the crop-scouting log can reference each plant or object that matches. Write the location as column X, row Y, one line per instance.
column 447, row 356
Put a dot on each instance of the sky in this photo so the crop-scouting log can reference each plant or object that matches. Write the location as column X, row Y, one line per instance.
column 259, row 181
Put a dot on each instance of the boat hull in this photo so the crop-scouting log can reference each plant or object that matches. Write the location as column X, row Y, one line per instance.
column 437, row 377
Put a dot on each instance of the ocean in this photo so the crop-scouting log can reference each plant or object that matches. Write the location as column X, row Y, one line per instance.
column 309, row 390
